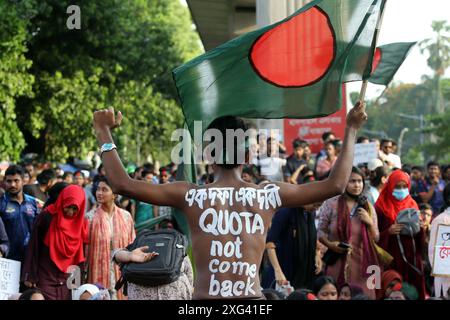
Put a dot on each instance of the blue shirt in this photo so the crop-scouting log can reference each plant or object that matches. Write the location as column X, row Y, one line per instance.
column 18, row 220
column 437, row 201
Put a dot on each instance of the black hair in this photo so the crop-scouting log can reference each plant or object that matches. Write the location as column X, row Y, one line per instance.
column 425, row 206
column 15, row 169
column 383, row 141
column 230, row 123
column 418, row 168
column 337, row 143
column 322, row 281
column 97, row 181
column 407, row 169
column 361, row 296
column 28, row 294
column 361, row 139
column 66, row 174
column 149, row 166
column 300, row 294
column 359, row 172
column 327, row 134
column 54, row 191
column 146, row 172
column 46, row 176
column 377, row 175
column 272, row 294
column 432, row 164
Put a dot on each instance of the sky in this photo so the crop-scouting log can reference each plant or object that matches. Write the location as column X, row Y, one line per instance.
column 405, row 21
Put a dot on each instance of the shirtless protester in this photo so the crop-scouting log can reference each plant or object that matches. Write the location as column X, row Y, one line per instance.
column 228, row 218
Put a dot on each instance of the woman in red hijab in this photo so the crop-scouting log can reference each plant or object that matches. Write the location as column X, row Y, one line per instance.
column 394, row 198
column 57, row 242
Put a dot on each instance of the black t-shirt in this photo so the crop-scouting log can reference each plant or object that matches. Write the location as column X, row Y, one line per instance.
column 292, row 164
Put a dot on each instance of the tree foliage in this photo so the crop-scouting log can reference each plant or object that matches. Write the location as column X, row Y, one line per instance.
column 15, row 81
column 121, row 46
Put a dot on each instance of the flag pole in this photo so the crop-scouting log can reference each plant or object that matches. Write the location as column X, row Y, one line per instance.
column 362, row 93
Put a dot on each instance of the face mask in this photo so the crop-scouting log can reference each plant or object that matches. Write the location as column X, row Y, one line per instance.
column 400, row 194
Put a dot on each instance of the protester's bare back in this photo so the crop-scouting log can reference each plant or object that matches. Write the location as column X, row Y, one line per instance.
column 229, row 218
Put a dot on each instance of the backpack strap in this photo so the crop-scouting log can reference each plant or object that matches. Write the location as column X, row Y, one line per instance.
column 402, row 251
column 122, row 282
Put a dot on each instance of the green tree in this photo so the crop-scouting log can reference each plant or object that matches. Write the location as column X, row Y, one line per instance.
column 135, row 41
column 15, row 80
column 65, row 121
column 438, row 49
column 439, row 128
column 149, row 120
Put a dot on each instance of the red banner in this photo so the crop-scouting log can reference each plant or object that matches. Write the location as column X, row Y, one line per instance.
column 311, row 130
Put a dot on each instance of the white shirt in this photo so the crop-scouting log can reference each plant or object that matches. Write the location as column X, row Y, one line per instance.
column 271, row 168
column 395, row 159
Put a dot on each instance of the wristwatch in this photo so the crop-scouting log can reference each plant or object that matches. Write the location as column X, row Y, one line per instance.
column 107, row 147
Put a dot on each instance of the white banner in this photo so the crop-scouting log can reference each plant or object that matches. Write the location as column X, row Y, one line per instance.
column 441, row 263
column 364, row 152
column 9, row 278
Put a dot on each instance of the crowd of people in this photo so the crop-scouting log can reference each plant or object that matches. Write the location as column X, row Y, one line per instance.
column 51, row 220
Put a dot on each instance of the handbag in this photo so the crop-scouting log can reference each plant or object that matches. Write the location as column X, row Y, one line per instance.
column 410, row 219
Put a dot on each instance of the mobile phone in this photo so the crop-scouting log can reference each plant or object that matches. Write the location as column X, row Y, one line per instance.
column 344, row 245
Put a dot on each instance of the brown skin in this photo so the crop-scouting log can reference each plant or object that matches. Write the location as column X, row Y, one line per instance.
column 345, row 294
column 434, row 173
column 355, row 186
column 14, row 187
column 173, row 194
column 328, row 292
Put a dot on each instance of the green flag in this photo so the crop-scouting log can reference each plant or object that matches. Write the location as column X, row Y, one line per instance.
column 387, row 61
column 291, row 69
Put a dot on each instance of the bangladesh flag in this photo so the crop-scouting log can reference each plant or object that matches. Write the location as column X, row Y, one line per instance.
column 291, row 69
column 387, row 61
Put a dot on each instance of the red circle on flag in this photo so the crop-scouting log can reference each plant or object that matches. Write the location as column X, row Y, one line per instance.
column 296, row 53
column 376, row 59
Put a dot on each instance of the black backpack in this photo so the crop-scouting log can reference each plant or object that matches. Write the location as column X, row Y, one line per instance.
column 162, row 269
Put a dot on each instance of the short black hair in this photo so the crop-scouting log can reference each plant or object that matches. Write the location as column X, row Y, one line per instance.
column 425, row 206
column 361, row 139
column 272, row 294
column 149, row 166
column 15, row 169
column 66, row 174
column 383, row 141
column 46, row 176
column 418, row 168
column 433, row 164
column 407, row 168
column 299, row 143
column 146, row 172
column 230, row 123
column 53, row 192
column 321, row 281
column 327, row 134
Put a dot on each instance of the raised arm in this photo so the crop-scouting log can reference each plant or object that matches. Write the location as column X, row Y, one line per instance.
column 298, row 195
column 171, row 194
